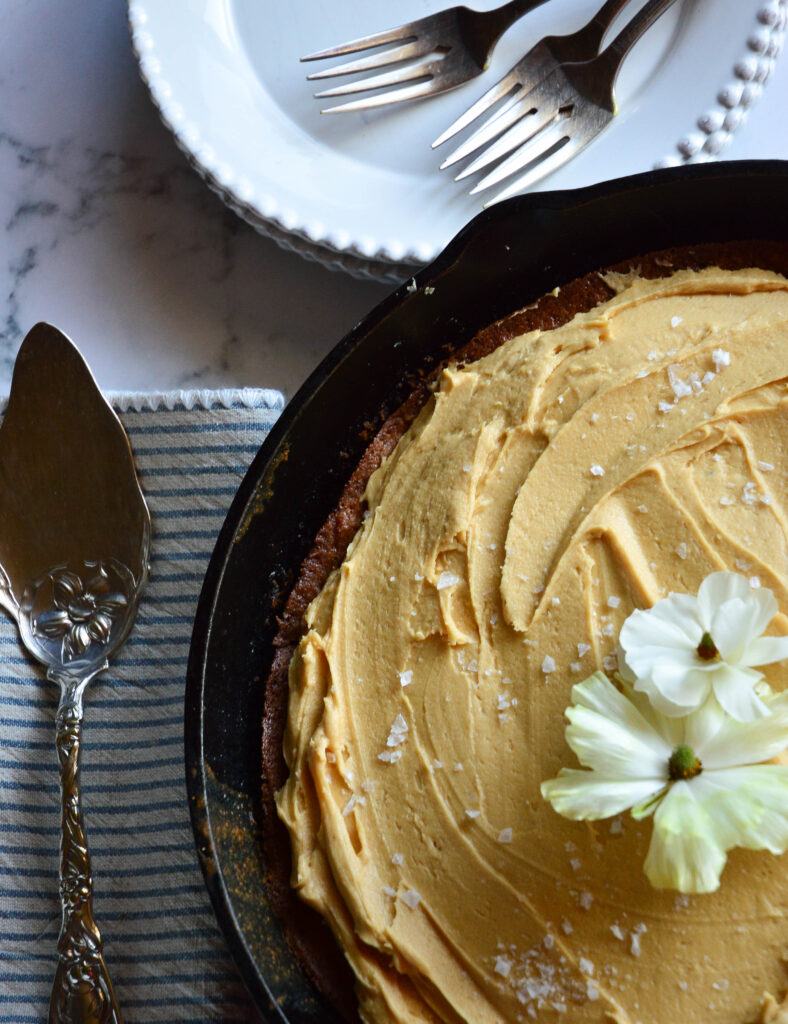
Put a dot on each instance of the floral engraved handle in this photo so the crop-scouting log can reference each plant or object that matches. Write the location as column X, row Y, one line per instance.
column 82, row 991
column 72, row 618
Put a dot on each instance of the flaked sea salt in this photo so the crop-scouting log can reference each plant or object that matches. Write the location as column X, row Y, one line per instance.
column 390, row 756
column 472, row 814
column 548, row 664
column 675, row 321
column 583, row 649
column 765, row 467
column 447, row 579
column 681, row 550
column 613, row 601
column 597, row 470
column 681, row 388
column 398, row 732
column 575, row 666
column 398, row 858
column 411, row 898
column 406, row 677
column 503, row 966
column 720, row 358
column 505, row 835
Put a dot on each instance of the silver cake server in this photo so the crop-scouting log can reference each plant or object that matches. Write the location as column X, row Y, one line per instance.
column 74, row 547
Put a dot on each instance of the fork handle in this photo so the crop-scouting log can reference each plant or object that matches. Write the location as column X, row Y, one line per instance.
column 593, row 33
column 487, row 27
column 82, row 991
column 615, row 53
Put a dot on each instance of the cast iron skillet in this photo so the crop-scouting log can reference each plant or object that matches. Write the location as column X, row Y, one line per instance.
column 506, row 257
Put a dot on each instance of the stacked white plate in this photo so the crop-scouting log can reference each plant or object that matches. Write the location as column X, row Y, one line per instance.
column 363, row 192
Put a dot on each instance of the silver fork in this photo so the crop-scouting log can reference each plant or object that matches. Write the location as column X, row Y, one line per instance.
column 540, row 61
column 547, row 122
column 442, row 51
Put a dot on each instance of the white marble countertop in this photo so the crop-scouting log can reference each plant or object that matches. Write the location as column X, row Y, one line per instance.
column 106, row 232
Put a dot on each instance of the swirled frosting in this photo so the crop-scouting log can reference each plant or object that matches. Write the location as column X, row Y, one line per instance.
column 543, row 493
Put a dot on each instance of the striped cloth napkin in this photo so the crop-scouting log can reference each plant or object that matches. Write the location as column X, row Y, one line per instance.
column 166, row 956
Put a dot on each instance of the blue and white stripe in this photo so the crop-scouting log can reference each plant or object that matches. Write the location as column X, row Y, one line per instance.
column 166, row 956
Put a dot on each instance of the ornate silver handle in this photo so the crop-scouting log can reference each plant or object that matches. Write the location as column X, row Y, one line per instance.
column 82, row 991
column 71, row 618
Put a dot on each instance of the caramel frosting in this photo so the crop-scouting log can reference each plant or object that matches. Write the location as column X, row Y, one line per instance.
column 543, row 493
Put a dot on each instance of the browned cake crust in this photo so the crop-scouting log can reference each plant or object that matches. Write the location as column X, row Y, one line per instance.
column 309, row 936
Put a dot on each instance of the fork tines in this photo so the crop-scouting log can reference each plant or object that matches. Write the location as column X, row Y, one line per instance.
column 415, row 77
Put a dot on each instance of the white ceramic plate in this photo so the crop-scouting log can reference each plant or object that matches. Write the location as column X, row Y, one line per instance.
column 363, row 192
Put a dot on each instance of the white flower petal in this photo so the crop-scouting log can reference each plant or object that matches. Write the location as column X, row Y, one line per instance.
column 734, row 624
column 734, row 688
column 630, row 749
column 589, row 795
column 767, row 606
column 644, row 660
column 598, row 693
column 674, row 692
column 609, row 734
column 765, row 650
column 684, row 853
column 669, row 727
column 744, row 743
column 671, row 622
column 718, row 588
column 748, row 806
column 701, row 729
column 625, row 671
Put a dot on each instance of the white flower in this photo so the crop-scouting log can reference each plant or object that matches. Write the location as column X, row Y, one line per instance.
column 702, row 774
column 685, row 648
